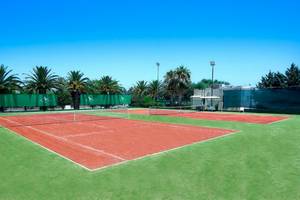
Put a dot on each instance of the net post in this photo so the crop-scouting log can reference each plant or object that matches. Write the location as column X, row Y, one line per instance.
column 127, row 112
column 74, row 116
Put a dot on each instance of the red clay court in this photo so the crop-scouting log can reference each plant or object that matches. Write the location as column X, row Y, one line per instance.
column 95, row 142
column 248, row 118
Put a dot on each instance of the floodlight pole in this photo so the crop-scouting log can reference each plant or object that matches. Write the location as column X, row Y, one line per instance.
column 212, row 64
column 157, row 89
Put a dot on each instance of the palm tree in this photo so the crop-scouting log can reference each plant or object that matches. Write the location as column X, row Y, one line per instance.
column 76, row 85
column 184, row 81
column 170, row 83
column 41, row 80
column 139, row 92
column 107, row 85
column 177, row 82
column 62, row 93
column 8, row 82
column 140, row 89
column 154, row 88
column 92, row 87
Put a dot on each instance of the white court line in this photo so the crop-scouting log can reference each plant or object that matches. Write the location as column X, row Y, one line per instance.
column 12, row 121
column 65, row 120
column 224, row 120
column 78, row 144
column 41, row 146
column 88, row 134
column 65, row 140
column 176, row 125
column 162, row 152
column 136, row 159
column 51, row 151
column 278, row 121
column 94, row 124
column 71, row 142
column 141, row 124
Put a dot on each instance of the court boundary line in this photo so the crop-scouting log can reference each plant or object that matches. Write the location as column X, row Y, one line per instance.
column 220, row 112
column 180, row 115
column 221, row 120
column 47, row 149
column 87, row 134
column 107, row 117
column 100, row 169
column 78, row 144
column 178, row 125
column 70, row 142
column 4, row 118
column 278, row 121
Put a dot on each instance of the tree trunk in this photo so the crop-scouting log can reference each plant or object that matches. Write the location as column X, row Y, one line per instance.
column 173, row 98
column 180, row 99
column 43, row 108
column 76, row 100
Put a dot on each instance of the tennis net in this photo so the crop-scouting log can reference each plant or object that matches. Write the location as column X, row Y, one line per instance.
column 176, row 110
column 26, row 119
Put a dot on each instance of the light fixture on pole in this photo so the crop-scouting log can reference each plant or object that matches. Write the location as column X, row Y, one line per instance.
column 157, row 64
column 212, row 64
column 157, row 89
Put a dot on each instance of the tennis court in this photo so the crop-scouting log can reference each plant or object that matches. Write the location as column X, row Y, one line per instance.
column 247, row 118
column 95, row 142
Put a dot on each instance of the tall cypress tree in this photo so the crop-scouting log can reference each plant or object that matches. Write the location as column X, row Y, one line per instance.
column 293, row 76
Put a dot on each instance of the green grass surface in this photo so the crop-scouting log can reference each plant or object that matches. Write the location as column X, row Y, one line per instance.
column 259, row 162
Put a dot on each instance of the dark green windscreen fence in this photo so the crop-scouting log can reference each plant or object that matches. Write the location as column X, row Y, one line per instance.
column 104, row 100
column 50, row 100
column 274, row 100
column 29, row 100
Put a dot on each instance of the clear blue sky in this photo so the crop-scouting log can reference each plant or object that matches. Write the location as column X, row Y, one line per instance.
column 126, row 38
